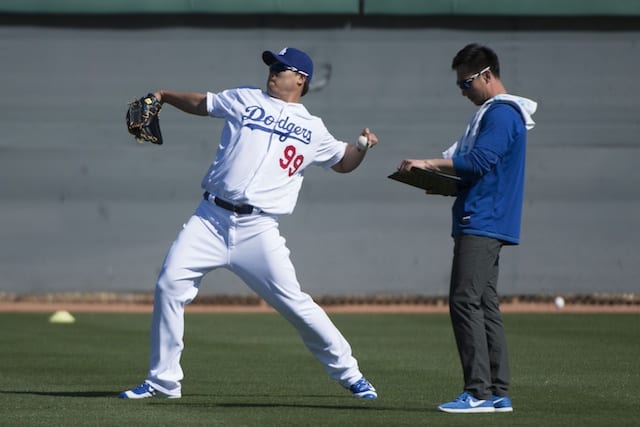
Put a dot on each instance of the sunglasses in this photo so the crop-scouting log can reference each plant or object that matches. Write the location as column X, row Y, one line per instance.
column 466, row 84
column 278, row 67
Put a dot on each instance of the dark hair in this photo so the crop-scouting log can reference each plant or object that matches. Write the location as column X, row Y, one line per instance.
column 476, row 57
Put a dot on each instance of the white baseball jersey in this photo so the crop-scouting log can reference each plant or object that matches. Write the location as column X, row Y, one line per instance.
column 264, row 148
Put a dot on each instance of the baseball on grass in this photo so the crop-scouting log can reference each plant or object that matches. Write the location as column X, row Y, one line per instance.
column 559, row 302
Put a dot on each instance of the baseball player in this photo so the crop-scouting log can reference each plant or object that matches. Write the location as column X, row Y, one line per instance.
column 268, row 140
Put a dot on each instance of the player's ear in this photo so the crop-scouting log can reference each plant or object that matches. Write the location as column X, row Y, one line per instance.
column 302, row 82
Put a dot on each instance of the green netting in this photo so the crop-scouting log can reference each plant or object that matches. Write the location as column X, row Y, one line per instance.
column 181, row 6
column 503, row 7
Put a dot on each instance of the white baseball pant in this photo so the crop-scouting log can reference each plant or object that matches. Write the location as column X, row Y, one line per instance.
column 251, row 247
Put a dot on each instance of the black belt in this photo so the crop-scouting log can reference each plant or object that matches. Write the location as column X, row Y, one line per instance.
column 239, row 209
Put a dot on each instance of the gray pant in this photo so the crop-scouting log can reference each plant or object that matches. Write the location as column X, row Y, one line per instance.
column 475, row 316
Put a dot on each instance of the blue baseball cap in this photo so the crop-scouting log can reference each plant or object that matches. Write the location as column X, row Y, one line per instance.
column 291, row 57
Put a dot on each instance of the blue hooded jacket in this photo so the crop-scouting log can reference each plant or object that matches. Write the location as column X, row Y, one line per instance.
column 489, row 200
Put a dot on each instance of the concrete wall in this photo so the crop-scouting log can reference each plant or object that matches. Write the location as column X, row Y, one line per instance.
column 86, row 209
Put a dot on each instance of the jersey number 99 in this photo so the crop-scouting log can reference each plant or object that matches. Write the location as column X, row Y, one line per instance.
column 290, row 161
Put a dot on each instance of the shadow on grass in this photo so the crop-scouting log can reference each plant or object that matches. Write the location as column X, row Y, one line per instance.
column 64, row 393
column 364, row 405
column 360, row 405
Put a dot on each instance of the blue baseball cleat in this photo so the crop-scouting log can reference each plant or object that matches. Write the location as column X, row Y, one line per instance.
column 363, row 389
column 144, row 391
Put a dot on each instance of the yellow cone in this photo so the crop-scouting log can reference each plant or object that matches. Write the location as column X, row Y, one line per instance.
column 61, row 316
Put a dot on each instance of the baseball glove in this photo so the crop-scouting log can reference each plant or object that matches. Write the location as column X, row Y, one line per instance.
column 142, row 119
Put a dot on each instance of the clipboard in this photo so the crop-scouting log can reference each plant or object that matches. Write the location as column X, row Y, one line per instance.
column 433, row 182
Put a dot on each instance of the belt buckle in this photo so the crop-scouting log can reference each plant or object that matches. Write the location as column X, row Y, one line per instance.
column 236, row 209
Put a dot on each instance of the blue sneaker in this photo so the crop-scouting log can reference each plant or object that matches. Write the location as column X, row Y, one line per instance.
column 363, row 389
column 144, row 391
column 467, row 404
column 502, row 403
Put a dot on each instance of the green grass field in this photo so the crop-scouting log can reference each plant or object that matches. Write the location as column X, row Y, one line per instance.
column 252, row 370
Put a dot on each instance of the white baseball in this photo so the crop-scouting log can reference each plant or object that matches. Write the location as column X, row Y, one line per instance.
column 363, row 142
column 559, row 302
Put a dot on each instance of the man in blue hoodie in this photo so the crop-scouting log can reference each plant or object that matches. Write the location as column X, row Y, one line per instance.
column 490, row 160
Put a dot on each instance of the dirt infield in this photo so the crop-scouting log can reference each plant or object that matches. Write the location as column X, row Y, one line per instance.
column 120, row 307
